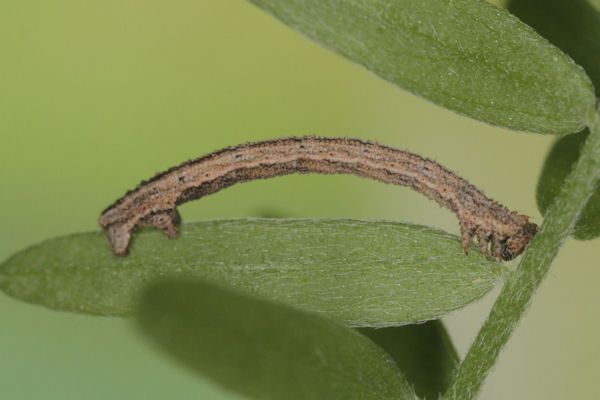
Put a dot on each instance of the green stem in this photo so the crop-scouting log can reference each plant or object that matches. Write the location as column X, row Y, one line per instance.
column 518, row 291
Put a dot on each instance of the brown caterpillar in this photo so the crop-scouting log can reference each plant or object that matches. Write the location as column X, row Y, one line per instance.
column 154, row 202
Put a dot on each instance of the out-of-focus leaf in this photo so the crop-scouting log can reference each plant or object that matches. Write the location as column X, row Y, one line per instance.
column 266, row 350
column 365, row 273
column 571, row 25
column 423, row 352
column 558, row 165
column 467, row 55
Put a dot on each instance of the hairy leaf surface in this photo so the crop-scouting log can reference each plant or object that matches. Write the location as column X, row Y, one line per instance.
column 365, row 273
column 466, row 55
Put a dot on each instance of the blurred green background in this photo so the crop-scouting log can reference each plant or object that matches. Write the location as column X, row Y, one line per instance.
column 96, row 96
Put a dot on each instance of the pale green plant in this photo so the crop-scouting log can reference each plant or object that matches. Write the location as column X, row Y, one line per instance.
column 265, row 307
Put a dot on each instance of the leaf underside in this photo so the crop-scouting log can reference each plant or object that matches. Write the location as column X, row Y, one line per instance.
column 574, row 27
column 466, row 55
column 365, row 273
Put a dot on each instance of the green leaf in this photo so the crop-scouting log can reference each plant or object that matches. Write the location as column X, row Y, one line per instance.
column 423, row 352
column 466, row 55
column 558, row 164
column 266, row 350
column 573, row 26
column 518, row 291
column 365, row 273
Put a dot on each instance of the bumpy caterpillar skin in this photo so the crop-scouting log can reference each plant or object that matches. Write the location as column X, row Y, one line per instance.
column 154, row 202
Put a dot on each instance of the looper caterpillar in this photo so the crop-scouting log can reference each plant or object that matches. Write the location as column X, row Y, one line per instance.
column 154, row 202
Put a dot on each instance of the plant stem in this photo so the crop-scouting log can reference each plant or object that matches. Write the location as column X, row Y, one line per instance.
column 518, row 291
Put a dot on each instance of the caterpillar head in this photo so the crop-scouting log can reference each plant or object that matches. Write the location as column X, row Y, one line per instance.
column 516, row 243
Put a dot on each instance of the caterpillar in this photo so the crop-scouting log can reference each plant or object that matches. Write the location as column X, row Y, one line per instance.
column 154, row 202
